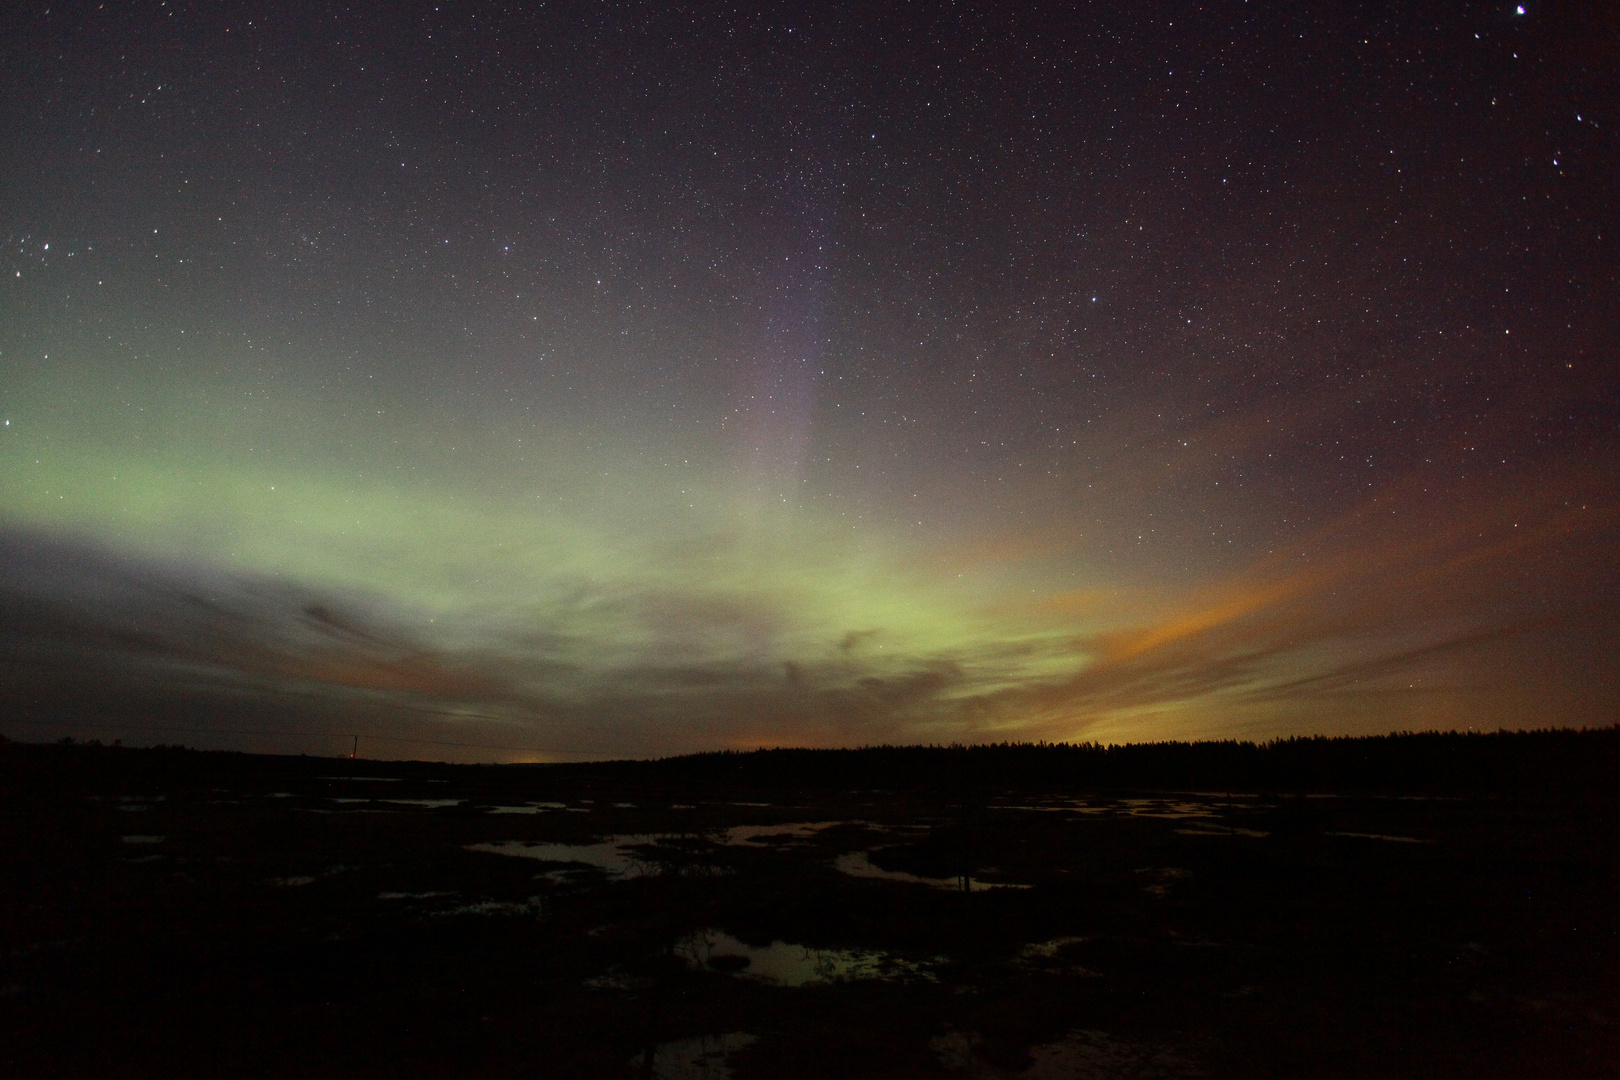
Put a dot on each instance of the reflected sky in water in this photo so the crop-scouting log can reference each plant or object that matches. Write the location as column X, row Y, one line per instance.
column 787, row 964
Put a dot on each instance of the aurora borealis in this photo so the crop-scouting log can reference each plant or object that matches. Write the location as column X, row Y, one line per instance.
column 611, row 380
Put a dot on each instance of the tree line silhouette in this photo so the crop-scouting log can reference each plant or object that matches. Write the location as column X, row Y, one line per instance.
column 1560, row 760
column 1555, row 761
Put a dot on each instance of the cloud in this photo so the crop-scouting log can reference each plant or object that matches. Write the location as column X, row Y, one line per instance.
column 1406, row 591
column 1358, row 604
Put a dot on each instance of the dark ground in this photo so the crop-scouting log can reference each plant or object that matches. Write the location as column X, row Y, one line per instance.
column 275, row 931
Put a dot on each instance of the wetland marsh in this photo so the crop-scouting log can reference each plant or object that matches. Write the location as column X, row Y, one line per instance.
column 271, row 918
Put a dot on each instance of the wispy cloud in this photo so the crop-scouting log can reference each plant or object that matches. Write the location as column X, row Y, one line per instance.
column 1404, row 587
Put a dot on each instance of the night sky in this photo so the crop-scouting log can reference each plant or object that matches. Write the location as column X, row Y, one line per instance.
column 546, row 381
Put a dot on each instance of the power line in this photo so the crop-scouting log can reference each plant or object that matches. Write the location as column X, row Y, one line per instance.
column 301, row 735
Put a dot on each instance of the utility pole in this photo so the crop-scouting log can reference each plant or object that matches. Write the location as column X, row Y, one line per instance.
column 356, row 749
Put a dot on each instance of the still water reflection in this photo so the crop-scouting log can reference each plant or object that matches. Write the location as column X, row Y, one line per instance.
column 796, row 830
column 614, row 855
column 859, row 864
column 787, row 964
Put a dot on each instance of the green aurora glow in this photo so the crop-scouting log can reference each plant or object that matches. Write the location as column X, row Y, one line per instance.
column 793, row 410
